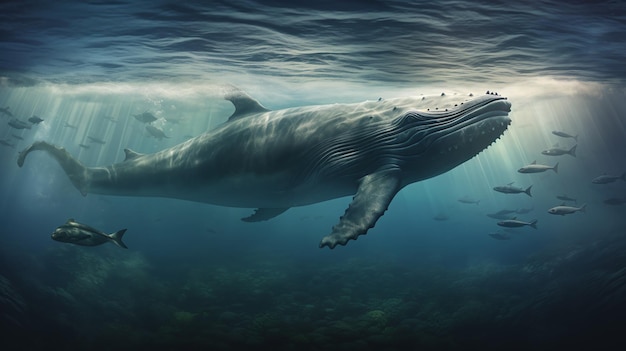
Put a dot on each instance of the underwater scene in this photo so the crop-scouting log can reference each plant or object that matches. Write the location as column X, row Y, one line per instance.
column 327, row 175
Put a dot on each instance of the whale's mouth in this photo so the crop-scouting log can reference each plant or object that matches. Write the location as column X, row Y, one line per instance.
column 462, row 131
column 475, row 130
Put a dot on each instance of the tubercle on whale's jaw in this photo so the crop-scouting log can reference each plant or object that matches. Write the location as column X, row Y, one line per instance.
column 480, row 137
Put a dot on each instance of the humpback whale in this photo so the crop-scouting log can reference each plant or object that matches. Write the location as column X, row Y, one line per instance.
column 274, row 160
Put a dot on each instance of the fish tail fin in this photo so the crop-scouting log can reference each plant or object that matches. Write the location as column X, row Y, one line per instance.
column 576, row 137
column 477, row 202
column 533, row 223
column 556, row 168
column 79, row 175
column 117, row 238
column 583, row 208
column 572, row 151
column 527, row 191
column 623, row 176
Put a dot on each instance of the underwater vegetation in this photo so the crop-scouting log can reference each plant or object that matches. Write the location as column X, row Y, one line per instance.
column 110, row 299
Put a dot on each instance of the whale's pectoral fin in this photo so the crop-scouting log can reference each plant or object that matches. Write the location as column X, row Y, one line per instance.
column 263, row 214
column 373, row 196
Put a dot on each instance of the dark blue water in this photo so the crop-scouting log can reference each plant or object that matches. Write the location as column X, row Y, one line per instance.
column 196, row 277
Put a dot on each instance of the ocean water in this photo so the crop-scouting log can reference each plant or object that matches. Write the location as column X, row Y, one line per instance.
column 428, row 275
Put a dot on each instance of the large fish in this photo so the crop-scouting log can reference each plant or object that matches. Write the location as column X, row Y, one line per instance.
column 84, row 235
column 274, row 160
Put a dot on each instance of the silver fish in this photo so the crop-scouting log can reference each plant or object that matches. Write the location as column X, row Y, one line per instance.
column 514, row 222
column 565, row 135
column 557, row 151
column 605, row 178
column 534, row 167
column 562, row 210
column 510, row 189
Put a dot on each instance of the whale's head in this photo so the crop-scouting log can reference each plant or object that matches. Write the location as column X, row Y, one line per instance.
column 438, row 139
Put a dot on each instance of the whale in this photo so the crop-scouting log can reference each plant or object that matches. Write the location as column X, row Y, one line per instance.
column 272, row 160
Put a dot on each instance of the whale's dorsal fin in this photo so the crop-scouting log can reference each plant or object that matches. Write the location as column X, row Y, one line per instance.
column 130, row 154
column 244, row 103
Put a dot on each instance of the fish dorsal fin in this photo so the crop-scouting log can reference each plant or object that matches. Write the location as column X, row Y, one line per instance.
column 514, row 218
column 131, row 155
column 244, row 103
column 71, row 220
column 534, row 162
column 511, row 183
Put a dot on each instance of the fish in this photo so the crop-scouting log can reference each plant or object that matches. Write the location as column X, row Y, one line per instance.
column 563, row 209
column 174, row 120
column 499, row 236
column 536, row 168
column 80, row 234
column 18, row 124
column 145, row 117
column 564, row 197
column 557, row 151
column 524, row 210
column 156, row 132
column 502, row 214
column 468, row 200
column 499, row 215
column 110, row 119
column 35, row 120
column 67, row 125
column 514, row 222
column 505, row 211
column 5, row 111
column 441, row 217
column 96, row 140
column 565, row 135
column 275, row 160
column 84, row 146
column 510, row 189
column 605, row 178
column 7, row 143
column 615, row 201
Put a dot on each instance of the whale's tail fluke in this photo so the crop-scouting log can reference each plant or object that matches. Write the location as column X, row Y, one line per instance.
column 78, row 174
